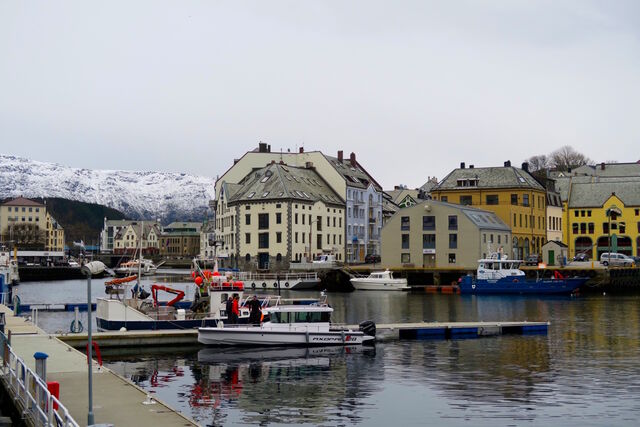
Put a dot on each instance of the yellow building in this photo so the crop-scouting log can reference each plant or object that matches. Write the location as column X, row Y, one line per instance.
column 511, row 193
column 27, row 224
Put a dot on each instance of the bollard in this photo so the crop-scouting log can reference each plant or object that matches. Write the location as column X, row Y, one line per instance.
column 41, row 365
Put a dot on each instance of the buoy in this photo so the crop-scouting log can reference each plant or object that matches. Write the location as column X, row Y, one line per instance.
column 198, row 280
column 123, row 329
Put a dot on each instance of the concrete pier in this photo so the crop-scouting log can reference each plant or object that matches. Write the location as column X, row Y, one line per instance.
column 116, row 400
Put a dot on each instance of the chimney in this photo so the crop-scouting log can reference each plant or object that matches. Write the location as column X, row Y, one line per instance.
column 602, row 166
column 352, row 159
column 507, row 164
column 525, row 167
column 301, row 149
column 262, row 148
column 308, row 165
column 470, row 166
column 340, row 156
column 269, row 148
column 462, row 165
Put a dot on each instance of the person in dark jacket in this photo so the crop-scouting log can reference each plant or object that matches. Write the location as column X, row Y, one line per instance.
column 254, row 306
column 229, row 309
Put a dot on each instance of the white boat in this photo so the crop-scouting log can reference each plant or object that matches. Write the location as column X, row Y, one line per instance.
column 380, row 281
column 289, row 324
column 281, row 280
column 8, row 268
column 145, row 266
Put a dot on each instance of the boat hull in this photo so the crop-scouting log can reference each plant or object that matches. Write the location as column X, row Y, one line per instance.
column 520, row 285
column 380, row 285
column 262, row 337
column 153, row 325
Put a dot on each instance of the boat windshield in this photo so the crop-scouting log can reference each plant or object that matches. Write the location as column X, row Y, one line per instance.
column 300, row 317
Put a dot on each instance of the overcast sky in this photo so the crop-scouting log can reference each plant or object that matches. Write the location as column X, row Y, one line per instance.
column 413, row 88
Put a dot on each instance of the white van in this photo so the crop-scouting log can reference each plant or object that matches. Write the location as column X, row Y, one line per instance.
column 612, row 258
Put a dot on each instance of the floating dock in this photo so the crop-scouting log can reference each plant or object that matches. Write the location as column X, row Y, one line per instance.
column 116, row 400
column 385, row 332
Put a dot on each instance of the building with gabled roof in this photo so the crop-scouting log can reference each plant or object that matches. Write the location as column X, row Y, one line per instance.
column 29, row 225
column 512, row 193
column 276, row 215
column 127, row 238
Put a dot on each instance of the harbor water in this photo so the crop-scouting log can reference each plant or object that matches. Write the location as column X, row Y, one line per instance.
column 585, row 372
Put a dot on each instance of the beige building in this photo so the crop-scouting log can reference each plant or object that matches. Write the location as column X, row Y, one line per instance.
column 29, row 225
column 361, row 195
column 127, row 239
column 444, row 235
column 181, row 240
column 276, row 215
column 555, row 212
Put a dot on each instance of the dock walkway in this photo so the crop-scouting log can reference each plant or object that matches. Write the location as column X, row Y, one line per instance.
column 116, row 400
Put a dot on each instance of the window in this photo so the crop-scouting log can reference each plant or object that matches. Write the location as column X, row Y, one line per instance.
column 296, row 237
column 575, row 213
column 404, row 223
column 453, row 222
column 444, row 199
column 520, row 220
column 247, row 258
column 453, row 241
column 296, row 218
column 514, row 199
column 247, row 219
column 466, row 200
column 263, row 240
column 278, row 258
column 247, row 238
column 428, row 241
column 429, row 223
column 492, row 199
column 405, row 258
column 318, row 222
column 525, row 200
column 452, row 258
column 279, row 237
column 591, row 228
column 319, row 241
column 263, row 221
column 574, row 228
column 605, row 227
column 278, row 218
column 405, row 241
column 622, row 227
column 328, row 222
column 588, row 213
column 583, row 228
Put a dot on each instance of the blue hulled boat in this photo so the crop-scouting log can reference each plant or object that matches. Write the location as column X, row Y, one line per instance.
column 502, row 276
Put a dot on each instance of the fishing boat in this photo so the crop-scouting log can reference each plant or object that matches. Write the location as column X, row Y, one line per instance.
column 499, row 275
column 289, row 324
column 380, row 281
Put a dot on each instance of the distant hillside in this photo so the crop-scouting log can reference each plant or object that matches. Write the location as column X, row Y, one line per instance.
column 81, row 221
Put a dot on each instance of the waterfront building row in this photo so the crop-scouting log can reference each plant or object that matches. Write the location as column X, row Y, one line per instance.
column 29, row 225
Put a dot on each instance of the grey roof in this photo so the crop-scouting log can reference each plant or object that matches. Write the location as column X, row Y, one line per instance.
column 485, row 220
column 564, row 183
column 555, row 242
column 610, row 169
column 491, row 177
column 354, row 176
column 146, row 229
column 595, row 194
column 429, row 185
column 282, row 182
column 553, row 199
column 399, row 195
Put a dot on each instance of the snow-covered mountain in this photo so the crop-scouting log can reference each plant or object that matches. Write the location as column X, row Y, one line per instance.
column 139, row 195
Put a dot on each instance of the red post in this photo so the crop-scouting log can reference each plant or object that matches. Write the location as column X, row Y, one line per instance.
column 54, row 389
column 96, row 348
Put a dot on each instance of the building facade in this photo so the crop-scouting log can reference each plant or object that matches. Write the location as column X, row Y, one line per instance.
column 127, row 239
column 435, row 234
column 511, row 193
column 27, row 224
column 180, row 240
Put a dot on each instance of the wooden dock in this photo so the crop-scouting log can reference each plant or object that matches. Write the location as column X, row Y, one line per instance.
column 385, row 332
column 116, row 400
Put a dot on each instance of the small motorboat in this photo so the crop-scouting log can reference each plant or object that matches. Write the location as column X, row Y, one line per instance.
column 499, row 275
column 380, row 281
column 145, row 266
column 289, row 324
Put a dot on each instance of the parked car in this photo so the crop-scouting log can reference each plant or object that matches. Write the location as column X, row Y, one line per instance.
column 616, row 259
column 581, row 257
column 533, row 259
column 372, row 259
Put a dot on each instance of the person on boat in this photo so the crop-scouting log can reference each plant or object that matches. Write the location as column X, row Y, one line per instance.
column 235, row 309
column 254, row 306
column 229, row 309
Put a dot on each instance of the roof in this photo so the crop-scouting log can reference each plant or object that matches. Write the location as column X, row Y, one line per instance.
column 491, row 177
column 595, row 194
column 429, row 185
column 354, row 176
column 399, row 195
column 278, row 182
column 609, row 169
column 555, row 242
column 22, row 201
column 146, row 229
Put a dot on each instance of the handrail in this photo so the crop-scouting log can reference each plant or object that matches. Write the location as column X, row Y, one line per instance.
column 32, row 392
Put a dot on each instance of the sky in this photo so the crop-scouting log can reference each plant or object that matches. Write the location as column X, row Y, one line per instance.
column 412, row 87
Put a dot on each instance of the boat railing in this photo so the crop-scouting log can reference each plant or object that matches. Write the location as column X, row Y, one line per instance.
column 246, row 276
column 31, row 392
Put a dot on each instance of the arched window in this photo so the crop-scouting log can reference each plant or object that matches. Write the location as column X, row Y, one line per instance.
column 279, row 257
column 247, row 258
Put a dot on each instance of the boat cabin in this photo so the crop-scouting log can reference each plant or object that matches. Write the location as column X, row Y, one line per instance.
column 382, row 275
column 494, row 269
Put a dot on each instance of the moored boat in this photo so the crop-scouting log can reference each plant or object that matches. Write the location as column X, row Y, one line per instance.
column 380, row 281
column 289, row 324
column 499, row 275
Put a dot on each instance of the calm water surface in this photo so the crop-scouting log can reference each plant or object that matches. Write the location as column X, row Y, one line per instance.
column 585, row 372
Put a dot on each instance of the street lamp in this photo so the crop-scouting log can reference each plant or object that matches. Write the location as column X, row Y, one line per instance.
column 612, row 210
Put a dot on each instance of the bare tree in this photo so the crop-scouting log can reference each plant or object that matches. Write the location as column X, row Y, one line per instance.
column 540, row 162
column 567, row 158
column 25, row 236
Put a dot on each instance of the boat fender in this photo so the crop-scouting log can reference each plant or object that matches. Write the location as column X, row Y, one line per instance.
column 264, row 284
column 286, row 284
column 253, row 286
column 473, row 286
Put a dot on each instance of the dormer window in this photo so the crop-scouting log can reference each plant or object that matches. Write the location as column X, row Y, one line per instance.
column 251, row 195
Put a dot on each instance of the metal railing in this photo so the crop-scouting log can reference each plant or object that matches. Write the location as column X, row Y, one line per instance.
column 31, row 393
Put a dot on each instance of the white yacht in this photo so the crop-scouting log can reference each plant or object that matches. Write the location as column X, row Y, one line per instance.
column 146, row 267
column 380, row 281
column 289, row 324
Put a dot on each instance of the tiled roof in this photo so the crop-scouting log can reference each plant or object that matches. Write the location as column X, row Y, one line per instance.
column 492, row 177
column 355, row 176
column 22, row 201
column 610, row 169
column 277, row 182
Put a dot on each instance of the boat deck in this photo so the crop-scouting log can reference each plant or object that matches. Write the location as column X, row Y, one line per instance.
column 116, row 400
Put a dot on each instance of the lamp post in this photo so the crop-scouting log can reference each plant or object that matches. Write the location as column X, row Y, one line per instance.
column 89, row 269
column 612, row 210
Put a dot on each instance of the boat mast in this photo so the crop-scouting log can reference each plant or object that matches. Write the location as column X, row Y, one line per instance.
column 140, row 256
